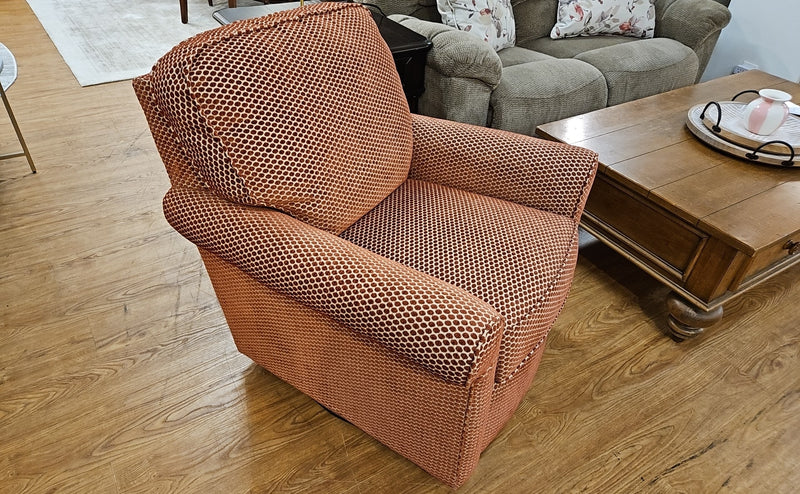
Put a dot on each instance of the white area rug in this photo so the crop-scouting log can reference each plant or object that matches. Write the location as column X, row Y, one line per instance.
column 113, row 40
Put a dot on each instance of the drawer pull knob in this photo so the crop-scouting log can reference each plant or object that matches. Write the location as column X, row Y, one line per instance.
column 792, row 247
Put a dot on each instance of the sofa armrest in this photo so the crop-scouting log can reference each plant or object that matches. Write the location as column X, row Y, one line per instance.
column 448, row 331
column 541, row 174
column 695, row 23
column 460, row 74
column 456, row 53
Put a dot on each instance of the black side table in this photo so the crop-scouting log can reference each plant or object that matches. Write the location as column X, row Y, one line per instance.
column 409, row 49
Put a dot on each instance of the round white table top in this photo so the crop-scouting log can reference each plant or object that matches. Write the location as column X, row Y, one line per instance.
column 8, row 67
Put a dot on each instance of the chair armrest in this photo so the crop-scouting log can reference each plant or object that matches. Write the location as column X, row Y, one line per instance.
column 695, row 23
column 541, row 174
column 461, row 71
column 448, row 331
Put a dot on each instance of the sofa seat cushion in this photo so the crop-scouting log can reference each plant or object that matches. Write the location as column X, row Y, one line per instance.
column 533, row 93
column 643, row 68
column 513, row 257
column 570, row 47
column 515, row 55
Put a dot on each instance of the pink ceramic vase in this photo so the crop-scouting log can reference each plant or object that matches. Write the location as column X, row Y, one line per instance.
column 766, row 113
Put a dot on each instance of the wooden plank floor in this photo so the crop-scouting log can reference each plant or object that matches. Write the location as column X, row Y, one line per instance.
column 117, row 373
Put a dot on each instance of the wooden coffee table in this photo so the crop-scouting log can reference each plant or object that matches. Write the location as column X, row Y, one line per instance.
column 708, row 225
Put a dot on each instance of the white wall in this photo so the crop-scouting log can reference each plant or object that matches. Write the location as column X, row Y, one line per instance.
column 764, row 32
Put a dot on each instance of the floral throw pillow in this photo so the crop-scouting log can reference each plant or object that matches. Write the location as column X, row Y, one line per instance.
column 635, row 18
column 490, row 20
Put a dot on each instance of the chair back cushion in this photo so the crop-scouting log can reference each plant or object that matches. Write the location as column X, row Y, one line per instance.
column 301, row 111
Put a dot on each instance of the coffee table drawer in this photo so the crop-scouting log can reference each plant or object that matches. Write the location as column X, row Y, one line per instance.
column 777, row 256
column 669, row 242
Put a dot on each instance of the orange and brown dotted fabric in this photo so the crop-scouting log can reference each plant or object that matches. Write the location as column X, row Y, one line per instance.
column 444, row 328
column 540, row 174
column 508, row 255
column 431, row 422
column 182, row 173
column 301, row 112
column 425, row 321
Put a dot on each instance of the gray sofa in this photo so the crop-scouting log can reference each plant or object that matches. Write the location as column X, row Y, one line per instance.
column 540, row 79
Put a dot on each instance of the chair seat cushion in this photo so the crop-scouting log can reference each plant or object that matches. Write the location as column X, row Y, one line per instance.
column 513, row 257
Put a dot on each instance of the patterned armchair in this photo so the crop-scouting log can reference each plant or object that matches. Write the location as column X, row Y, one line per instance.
column 403, row 271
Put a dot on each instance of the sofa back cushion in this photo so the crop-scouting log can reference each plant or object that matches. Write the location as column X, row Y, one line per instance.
column 301, row 111
column 534, row 18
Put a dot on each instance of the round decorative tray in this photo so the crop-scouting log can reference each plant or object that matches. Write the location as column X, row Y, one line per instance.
column 719, row 124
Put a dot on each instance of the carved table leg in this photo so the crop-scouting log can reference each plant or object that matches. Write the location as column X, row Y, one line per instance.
column 686, row 320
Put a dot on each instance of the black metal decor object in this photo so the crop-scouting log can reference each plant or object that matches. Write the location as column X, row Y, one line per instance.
column 744, row 92
column 754, row 155
column 714, row 127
